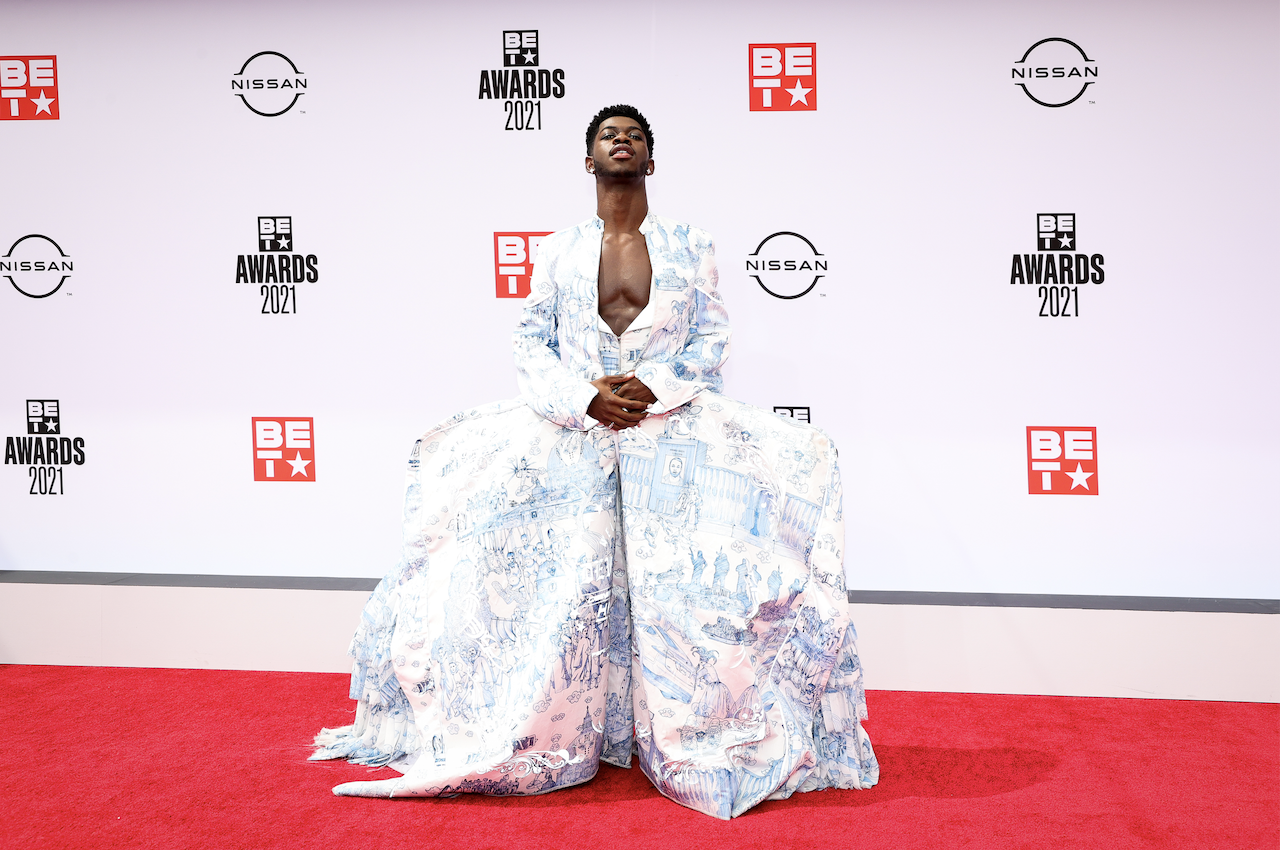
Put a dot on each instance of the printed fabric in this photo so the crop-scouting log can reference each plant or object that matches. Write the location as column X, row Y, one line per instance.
column 570, row 594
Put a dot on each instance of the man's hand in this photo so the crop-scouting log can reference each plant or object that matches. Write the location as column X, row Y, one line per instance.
column 615, row 410
column 636, row 390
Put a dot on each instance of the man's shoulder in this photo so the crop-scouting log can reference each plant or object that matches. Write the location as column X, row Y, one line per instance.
column 564, row 239
column 680, row 231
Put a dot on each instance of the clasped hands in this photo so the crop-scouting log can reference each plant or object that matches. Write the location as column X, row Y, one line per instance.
column 620, row 401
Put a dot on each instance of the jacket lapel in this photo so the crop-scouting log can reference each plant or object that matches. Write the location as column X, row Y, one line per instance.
column 587, row 295
column 669, row 286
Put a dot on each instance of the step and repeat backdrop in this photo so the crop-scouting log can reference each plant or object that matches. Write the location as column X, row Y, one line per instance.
column 1017, row 260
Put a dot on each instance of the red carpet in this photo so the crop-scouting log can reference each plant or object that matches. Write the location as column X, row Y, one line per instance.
column 140, row 758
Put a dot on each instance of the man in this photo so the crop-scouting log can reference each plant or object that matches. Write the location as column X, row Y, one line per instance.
column 620, row 457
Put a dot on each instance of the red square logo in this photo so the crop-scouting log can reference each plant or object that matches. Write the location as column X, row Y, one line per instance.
column 1062, row 461
column 28, row 88
column 284, row 448
column 783, row 77
column 513, row 258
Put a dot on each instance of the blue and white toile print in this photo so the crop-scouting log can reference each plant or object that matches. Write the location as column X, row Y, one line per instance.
column 570, row 594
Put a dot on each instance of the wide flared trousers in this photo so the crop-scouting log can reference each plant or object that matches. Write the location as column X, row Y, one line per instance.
column 675, row 590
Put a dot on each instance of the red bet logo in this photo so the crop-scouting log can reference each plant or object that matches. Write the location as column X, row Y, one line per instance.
column 28, row 88
column 1062, row 461
column 773, row 67
column 513, row 257
column 283, row 448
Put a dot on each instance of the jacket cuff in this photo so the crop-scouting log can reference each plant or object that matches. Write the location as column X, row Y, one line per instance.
column 582, row 399
column 662, row 382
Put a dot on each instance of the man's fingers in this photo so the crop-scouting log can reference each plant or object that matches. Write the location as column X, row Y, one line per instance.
column 619, row 403
column 636, row 390
column 633, row 388
column 608, row 384
column 632, row 395
column 615, row 410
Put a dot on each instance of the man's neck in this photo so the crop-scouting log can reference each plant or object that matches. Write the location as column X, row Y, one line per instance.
column 622, row 206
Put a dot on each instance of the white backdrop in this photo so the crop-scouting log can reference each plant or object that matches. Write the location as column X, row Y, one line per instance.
column 918, row 176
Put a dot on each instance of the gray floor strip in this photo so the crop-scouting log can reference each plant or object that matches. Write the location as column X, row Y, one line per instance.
column 871, row 597
column 174, row 580
column 1054, row 600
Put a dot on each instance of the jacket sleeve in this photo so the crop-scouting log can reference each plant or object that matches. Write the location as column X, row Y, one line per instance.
column 685, row 367
column 552, row 389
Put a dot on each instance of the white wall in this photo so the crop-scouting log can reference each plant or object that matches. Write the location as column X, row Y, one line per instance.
column 918, row 176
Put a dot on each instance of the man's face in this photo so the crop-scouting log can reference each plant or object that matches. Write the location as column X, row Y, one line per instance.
column 620, row 149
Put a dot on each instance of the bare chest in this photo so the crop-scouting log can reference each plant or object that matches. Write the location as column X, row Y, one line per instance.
column 625, row 275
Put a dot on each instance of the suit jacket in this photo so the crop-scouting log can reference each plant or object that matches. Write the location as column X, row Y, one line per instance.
column 557, row 343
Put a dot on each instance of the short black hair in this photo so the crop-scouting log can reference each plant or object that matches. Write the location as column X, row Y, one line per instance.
column 625, row 110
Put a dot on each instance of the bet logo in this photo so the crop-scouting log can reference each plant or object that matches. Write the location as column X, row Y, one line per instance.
column 28, row 88
column 1056, row 270
column 786, row 265
column 287, row 439
column 277, row 271
column 520, row 47
column 771, row 66
column 275, row 232
column 44, row 451
column 36, row 266
column 520, row 83
column 800, row 414
column 1055, row 72
column 42, row 416
column 1055, row 232
column 269, row 84
column 513, row 257
column 1051, row 454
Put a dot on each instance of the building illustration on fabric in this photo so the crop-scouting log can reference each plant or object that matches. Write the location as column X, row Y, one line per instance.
column 702, row 612
column 534, row 496
column 526, row 615
column 791, row 644
column 676, row 480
